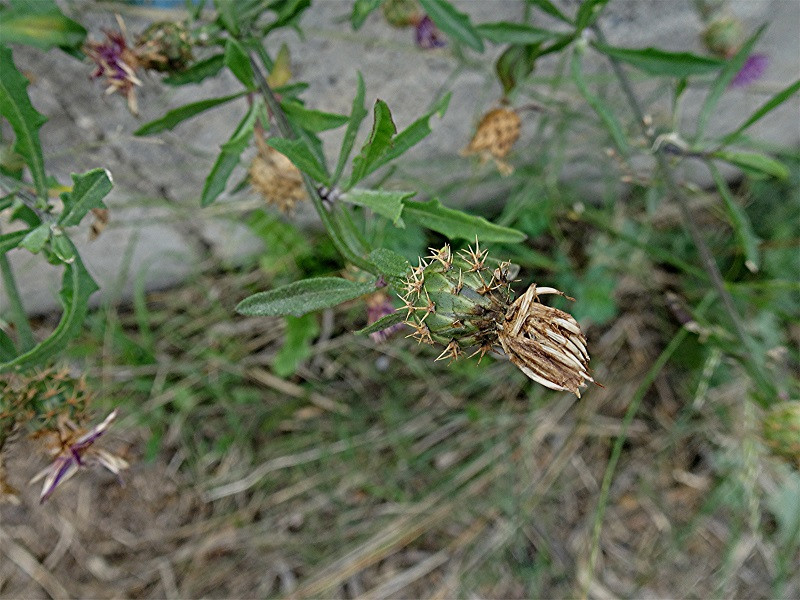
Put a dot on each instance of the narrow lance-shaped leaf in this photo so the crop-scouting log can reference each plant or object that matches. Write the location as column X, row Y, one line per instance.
column 361, row 10
column 357, row 115
column 302, row 297
column 198, row 71
column 312, row 120
column 764, row 110
column 661, row 63
column 602, row 109
column 548, row 7
column 302, row 157
column 757, row 165
column 39, row 23
column 723, row 80
column 238, row 62
column 515, row 33
column 455, row 24
column 588, row 12
column 24, row 119
column 187, row 111
column 76, row 288
column 9, row 241
column 740, row 221
column 88, row 191
column 380, row 138
column 382, row 323
column 229, row 157
column 387, row 203
column 457, row 224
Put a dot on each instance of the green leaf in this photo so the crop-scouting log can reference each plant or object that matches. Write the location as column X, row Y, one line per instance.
column 723, row 80
column 238, row 62
column 551, row 9
column 661, row 63
column 413, row 134
column 229, row 157
column 39, row 23
column 357, row 115
column 76, row 288
column 187, row 111
column 88, row 191
column 199, row 71
column 312, row 120
column 380, row 138
column 9, row 241
column 16, row 107
column 382, row 323
column 456, row 224
column 361, row 10
column 764, row 110
column 515, row 64
column 302, row 157
column 226, row 14
column 302, row 297
column 387, row 203
column 389, row 263
column 783, row 503
column 740, row 222
column 452, row 22
column 588, row 13
column 602, row 109
column 37, row 238
column 62, row 248
column 753, row 163
column 300, row 332
column 7, row 349
column 514, row 33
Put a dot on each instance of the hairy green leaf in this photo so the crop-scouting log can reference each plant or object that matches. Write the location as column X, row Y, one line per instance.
column 457, row 224
column 548, row 7
column 387, row 203
column 380, row 139
column 76, row 287
column 302, row 157
column 9, row 241
column 588, row 12
column 302, row 297
column 229, row 157
column 312, row 120
column 187, row 111
column 389, row 262
column 16, row 107
column 455, row 24
column 238, row 62
column 199, row 71
column 39, row 23
column 36, row 238
column 382, row 323
column 357, row 115
column 661, row 63
column 88, row 191
column 515, row 33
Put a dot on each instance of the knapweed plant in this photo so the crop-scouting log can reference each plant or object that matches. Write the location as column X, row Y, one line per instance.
column 455, row 295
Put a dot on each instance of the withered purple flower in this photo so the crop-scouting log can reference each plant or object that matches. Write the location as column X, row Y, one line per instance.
column 73, row 448
column 427, row 35
column 379, row 306
column 118, row 64
column 752, row 70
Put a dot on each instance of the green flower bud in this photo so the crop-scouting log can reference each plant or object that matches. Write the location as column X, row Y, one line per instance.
column 464, row 302
column 723, row 36
column 781, row 430
column 401, row 13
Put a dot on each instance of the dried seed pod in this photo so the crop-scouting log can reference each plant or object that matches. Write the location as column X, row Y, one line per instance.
column 276, row 178
column 497, row 132
column 464, row 301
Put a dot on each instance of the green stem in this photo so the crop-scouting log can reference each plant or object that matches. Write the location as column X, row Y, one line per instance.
column 286, row 131
column 676, row 191
column 18, row 316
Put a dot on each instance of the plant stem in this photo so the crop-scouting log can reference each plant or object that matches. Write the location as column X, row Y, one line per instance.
column 286, row 131
column 709, row 264
column 18, row 316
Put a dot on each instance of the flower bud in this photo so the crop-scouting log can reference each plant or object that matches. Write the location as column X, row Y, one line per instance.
column 164, row 46
column 401, row 13
column 723, row 36
column 781, row 430
column 462, row 301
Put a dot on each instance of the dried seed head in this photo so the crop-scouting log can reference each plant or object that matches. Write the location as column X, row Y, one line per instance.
column 164, row 46
column 118, row 64
column 276, row 178
column 460, row 302
column 545, row 343
column 494, row 137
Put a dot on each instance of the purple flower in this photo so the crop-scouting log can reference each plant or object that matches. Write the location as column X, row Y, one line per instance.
column 428, row 35
column 73, row 449
column 118, row 64
column 751, row 71
column 379, row 306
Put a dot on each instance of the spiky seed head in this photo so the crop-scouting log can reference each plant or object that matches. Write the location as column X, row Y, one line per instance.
column 781, row 430
column 462, row 301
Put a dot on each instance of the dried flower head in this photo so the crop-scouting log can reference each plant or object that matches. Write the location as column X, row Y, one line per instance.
column 72, row 448
column 164, row 46
column 276, row 178
column 118, row 64
column 494, row 137
column 465, row 300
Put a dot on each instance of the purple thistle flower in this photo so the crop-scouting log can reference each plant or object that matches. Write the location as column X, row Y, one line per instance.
column 73, row 453
column 752, row 70
column 118, row 64
column 428, row 36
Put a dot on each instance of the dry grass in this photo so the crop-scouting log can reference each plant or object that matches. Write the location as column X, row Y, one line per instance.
column 376, row 473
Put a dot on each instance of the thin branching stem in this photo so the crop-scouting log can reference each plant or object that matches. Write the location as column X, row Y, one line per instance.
column 286, row 131
column 706, row 258
column 17, row 309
